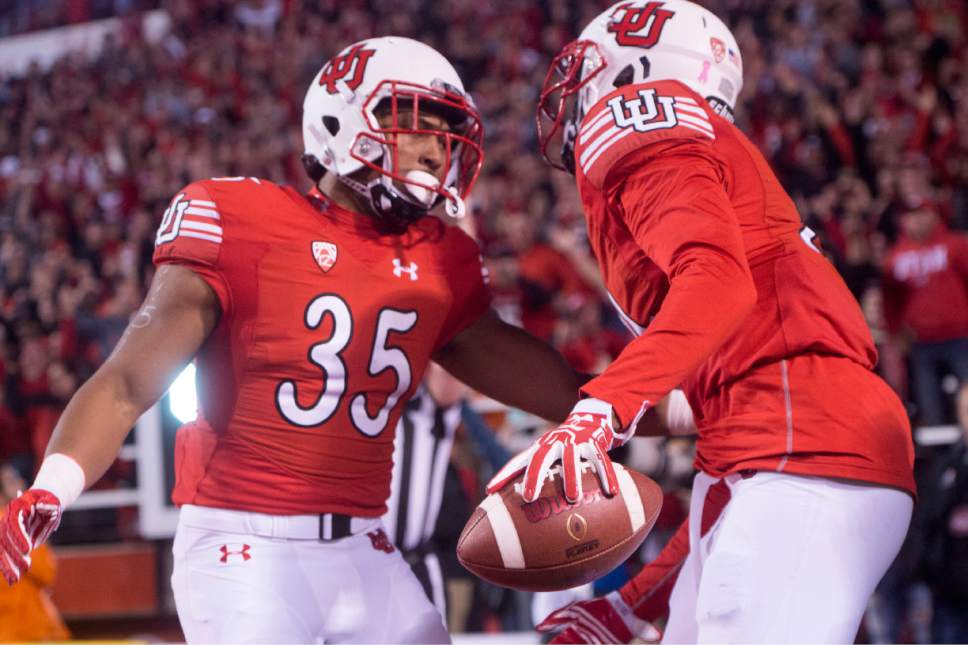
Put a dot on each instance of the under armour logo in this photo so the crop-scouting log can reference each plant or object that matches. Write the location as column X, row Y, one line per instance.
column 399, row 269
column 234, row 549
column 380, row 541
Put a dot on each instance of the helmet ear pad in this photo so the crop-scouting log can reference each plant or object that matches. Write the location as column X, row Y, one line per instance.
column 313, row 168
column 569, row 135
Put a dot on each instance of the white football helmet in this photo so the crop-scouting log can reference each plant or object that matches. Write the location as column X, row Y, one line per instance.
column 635, row 42
column 395, row 79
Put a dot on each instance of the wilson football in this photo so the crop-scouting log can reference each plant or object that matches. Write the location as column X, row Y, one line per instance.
column 549, row 544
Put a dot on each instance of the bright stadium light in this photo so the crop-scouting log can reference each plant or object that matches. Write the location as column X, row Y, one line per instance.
column 182, row 400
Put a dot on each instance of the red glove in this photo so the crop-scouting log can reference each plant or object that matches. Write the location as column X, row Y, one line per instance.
column 586, row 434
column 600, row 620
column 27, row 523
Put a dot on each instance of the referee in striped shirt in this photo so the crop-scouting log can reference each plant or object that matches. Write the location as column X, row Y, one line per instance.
column 421, row 453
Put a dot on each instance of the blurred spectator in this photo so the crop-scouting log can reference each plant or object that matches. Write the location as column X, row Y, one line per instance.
column 584, row 340
column 945, row 510
column 926, row 303
column 15, row 446
column 857, row 104
column 551, row 276
column 852, row 101
column 26, row 611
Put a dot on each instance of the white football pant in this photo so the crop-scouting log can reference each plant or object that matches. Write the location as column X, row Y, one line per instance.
column 790, row 560
column 243, row 578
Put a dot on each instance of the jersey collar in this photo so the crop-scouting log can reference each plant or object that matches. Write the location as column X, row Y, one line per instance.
column 343, row 217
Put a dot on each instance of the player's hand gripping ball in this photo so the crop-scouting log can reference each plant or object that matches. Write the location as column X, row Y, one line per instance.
column 551, row 544
column 585, row 437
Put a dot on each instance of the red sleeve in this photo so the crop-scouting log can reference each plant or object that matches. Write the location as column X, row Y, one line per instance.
column 468, row 284
column 671, row 198
column 191, row 235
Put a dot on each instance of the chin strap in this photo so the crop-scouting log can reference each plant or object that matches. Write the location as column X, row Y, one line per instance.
column 395, row 208
column 454, row 205
column 569, row 134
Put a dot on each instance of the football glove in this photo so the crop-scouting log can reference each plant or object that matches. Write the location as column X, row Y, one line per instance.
column 586, row 434
column 26, row 524
column 599, row 620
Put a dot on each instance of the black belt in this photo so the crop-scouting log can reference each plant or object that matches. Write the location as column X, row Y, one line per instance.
column 334, row 526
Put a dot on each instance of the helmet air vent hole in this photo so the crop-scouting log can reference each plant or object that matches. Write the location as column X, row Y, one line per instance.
column 625, row 77
column 646, row 66
column 332, row 124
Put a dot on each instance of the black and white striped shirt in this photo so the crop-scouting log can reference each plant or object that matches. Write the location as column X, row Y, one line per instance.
column 421, row 452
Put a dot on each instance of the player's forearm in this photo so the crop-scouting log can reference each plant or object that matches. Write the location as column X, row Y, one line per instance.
column 544, row 384
column 515, row 368
column 96, row 421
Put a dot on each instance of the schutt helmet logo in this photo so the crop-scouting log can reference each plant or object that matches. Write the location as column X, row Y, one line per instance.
column 241, row 550
column 348, row 67
column 639, row 26
column 325, row 255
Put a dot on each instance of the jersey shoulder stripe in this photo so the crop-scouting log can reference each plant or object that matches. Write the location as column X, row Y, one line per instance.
column 199, row 211
column 192, row 213
column 635, row 116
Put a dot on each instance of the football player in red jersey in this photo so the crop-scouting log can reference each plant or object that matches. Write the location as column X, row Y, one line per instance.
column 697, row 240
column 311, row 319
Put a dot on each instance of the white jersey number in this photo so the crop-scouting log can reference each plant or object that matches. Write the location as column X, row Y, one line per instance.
column 327, row 355
column 385, row 358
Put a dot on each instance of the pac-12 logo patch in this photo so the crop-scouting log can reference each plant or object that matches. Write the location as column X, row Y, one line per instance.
column 325, row 255
column 348, row 67
column 719, row 49
column 639, row 26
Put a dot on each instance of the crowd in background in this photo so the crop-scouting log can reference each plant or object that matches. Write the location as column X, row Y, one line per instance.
column 859, row 105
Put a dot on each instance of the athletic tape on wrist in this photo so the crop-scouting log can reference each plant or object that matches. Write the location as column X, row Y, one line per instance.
column 62, row 476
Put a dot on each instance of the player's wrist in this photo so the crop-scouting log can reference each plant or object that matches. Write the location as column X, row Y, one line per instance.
column 62, row 477
column 621, row 607
column 592, row 405
column 640, row 628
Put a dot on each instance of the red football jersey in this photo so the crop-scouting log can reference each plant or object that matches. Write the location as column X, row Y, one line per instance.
column 326, row 328
column 697, row 241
